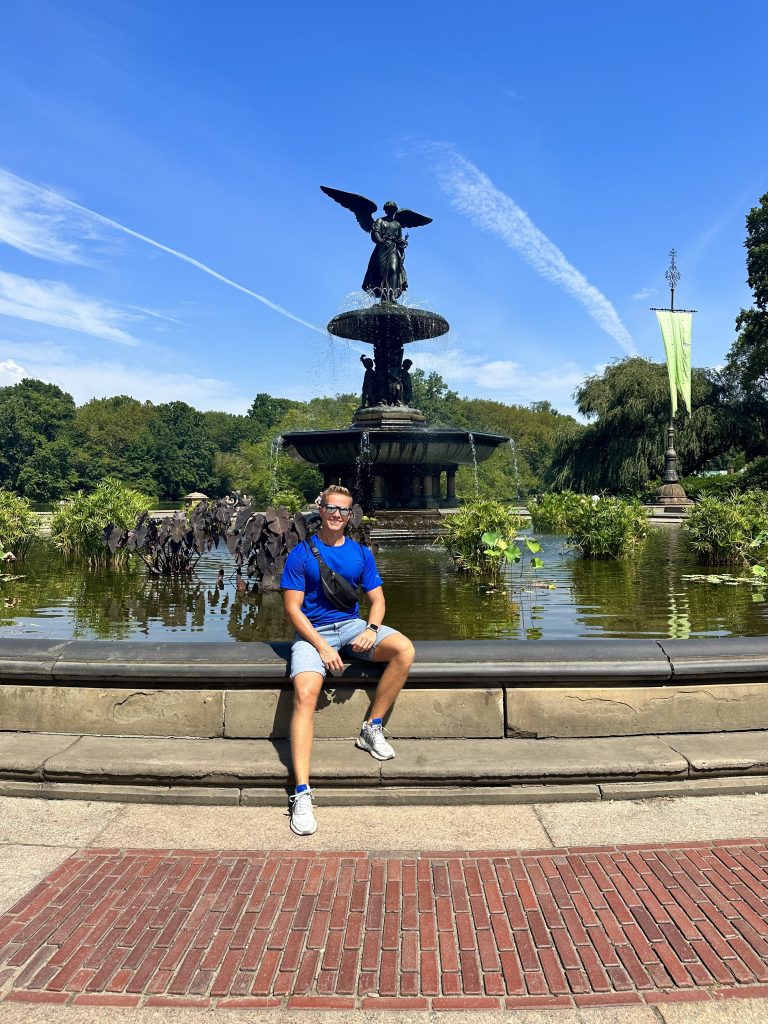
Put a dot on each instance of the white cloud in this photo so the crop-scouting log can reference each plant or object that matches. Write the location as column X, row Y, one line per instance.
column 505, row 380
column 54, row 303
column 472, row 193
column 11, row 372
column 36, row 220
column 85, row 379
column 644, row 293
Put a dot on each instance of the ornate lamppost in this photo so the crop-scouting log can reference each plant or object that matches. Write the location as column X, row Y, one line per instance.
column 676, row 327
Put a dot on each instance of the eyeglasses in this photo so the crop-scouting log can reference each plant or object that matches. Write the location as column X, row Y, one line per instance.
column 343, row 512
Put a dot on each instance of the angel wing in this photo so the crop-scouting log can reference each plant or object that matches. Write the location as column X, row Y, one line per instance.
column 409, row 219
column 362, row 208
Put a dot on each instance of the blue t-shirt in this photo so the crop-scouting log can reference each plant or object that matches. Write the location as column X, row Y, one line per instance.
column 351, row 560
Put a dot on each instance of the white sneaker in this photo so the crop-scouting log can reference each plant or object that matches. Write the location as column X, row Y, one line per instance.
column 371, row 738
column 303, row 821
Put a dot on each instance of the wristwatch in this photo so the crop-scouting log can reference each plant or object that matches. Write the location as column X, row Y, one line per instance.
column 371, row 626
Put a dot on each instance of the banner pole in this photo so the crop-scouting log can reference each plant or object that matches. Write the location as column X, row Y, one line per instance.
column 671, row 491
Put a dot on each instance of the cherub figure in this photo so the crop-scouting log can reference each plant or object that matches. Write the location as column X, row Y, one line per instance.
column 370, row 394
column 385, row 278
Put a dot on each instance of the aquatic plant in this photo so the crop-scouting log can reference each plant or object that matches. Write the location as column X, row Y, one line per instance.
column 18, row 525
column 608, row 527
column 259, row 541
column 78, row 524
column 729, row 531
column 465, row 530
column 554, row 512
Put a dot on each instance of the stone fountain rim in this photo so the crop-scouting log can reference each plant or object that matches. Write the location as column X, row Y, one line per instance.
column 417, row 434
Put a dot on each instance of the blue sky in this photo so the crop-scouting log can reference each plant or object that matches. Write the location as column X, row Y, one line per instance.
column 561, row 149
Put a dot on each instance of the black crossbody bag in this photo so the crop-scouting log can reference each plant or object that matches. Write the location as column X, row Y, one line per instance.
column 336, row 588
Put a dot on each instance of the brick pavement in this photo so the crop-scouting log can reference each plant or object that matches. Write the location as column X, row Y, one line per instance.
column 584, row 926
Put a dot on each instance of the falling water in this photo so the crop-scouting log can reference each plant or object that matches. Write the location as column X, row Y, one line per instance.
column 474, row 462
column 274, row 465
column 515, row 470
column 363, row 462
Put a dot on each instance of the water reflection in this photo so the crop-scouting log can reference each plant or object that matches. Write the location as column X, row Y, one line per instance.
column 426, row 598
column 648, row 597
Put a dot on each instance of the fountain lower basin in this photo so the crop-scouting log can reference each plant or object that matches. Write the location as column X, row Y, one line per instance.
column 412, row 467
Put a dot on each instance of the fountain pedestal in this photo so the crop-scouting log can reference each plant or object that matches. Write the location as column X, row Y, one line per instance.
column 387, row 417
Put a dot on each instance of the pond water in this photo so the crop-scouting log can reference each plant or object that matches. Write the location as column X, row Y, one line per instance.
column 426, row 598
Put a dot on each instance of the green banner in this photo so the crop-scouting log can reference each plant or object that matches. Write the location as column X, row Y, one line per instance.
column 676, row 330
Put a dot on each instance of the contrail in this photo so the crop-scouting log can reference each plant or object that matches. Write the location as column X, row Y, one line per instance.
column 59, row 199
column 474, row 194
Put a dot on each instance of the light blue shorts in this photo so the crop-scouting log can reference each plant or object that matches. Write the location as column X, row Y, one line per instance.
column 304, row 657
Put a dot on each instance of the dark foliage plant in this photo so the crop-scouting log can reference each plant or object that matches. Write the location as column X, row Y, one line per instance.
column 259, row 541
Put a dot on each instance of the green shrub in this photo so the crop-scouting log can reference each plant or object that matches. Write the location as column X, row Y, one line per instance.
column 464, row 532
column 698, row 486
column 729, row 531
column 291, row 500
column 18, row 524
column 754, row 476
column 608, row 527
column 554, row 512
column 77, row 527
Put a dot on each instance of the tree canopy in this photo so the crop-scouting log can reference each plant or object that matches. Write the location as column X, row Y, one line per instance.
column 622, row 447
column 49, row 448
column 36, row 440
column 746, row 369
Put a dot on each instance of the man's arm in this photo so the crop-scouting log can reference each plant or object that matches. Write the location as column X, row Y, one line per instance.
column 367, row 638
column 292, row 602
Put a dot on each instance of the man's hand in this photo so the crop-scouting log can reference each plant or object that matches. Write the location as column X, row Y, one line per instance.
column 330, row 658
column 365, row 641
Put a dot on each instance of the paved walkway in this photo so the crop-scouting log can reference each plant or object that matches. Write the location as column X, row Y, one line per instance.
column 642, row 931
column 586, row 926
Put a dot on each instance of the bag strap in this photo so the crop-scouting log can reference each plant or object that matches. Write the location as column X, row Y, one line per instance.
column 310, row 541
column 316, row 552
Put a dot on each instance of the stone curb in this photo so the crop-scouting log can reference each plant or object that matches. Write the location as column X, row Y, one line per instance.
column 256, row 772
column 439, row 662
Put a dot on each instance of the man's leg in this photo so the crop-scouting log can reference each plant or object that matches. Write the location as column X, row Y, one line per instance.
column 397, row 650
column 306, row 689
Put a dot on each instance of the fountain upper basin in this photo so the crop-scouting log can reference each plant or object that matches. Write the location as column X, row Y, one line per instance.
column 388, row 323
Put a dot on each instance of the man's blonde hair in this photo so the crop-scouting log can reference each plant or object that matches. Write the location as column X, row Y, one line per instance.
column 333, row 489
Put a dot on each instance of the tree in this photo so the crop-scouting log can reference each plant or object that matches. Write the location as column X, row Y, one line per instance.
column 181, row 450
column 36, row 439
column 227, row 431
column 112, row 441
column 434, row 399
column 515, row 469
column 266, row 411
column 623, row 448
column 264, row 468
column 746, row 370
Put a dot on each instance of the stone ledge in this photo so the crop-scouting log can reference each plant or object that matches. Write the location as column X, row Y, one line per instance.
column 439, row 662
column 256, row 772
column 734, row 657
column 472, row 662
column 220, row 762
column 724, row 753
column 517, row 662
column 533, row 761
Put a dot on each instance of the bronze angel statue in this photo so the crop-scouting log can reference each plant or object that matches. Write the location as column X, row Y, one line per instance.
column 385, row 277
